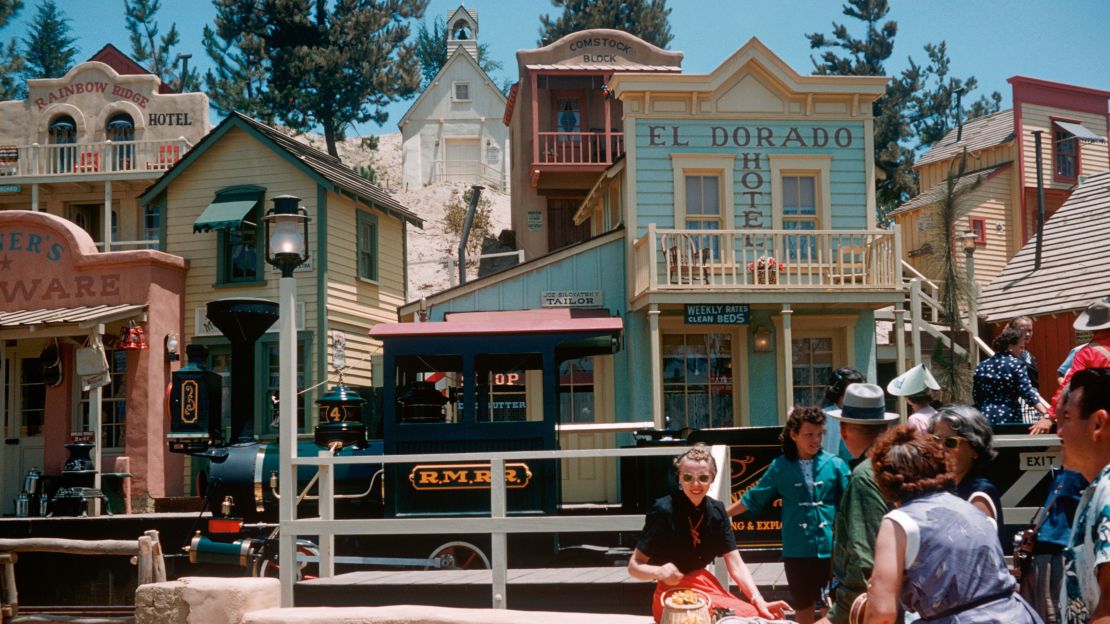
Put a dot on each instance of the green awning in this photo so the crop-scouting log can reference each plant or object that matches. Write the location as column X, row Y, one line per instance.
column 225, row 213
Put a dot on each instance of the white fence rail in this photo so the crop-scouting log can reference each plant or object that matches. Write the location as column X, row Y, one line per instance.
column 498, row 524
column 103, row 157
column 468, row 172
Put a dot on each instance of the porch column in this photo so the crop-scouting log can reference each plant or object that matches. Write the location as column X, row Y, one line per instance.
column 535, row 121
column 608, row 148
column 788, row 356
column 915, row 319
column 35, row 197
column 4, row 496
column 656, row 366
column 900, row 350
column 107, row 218
column 95, row 407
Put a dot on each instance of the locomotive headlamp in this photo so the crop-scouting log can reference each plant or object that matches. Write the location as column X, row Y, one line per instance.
column 340, row 420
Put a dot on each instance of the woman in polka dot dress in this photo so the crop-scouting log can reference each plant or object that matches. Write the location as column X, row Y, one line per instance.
column 1002, row 379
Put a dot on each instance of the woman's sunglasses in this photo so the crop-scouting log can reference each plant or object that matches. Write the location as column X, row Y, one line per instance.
column 689, row 478
column 950, row 442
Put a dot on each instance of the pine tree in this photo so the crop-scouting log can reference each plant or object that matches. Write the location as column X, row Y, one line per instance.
column 48, row 49
column 157, row 53
column 647, row 19
column 11, row 62
column 918, row 106
column 431, row 51
column 326, row 64
column 238, row 52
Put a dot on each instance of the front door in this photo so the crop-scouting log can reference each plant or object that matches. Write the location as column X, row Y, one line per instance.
column 25, row 411
column 585, row 388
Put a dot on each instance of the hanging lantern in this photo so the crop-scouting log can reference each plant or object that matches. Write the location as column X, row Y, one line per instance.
column 131, row 337
column 340, row 422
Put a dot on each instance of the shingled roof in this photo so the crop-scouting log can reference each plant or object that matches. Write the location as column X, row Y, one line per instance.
column 326, row 168
column 936, row 192
column 1074, row 257
column 979, row 133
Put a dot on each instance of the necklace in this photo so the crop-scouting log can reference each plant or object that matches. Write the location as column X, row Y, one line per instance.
column 694, row 535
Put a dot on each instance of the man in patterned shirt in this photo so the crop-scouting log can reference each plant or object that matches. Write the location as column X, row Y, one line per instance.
column 1084, row 428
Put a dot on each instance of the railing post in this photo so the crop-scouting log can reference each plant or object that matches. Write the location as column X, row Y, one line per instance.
column 915, row 319
column 499, row 549
column 327, row 512
column 900, row 349
column 652, row 265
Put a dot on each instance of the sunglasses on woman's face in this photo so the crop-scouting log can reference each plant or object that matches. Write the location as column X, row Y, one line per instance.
column 950, row 442
column 689, row 478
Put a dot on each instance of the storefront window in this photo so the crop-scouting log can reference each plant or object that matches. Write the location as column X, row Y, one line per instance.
column 813, row 365
column 32, row 397
column 697, row 380
column 576, row 391
column 113, row 398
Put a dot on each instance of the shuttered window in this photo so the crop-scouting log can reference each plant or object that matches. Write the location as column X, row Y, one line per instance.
column 367, row 246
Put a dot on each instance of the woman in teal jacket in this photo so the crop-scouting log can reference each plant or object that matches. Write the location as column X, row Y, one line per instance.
column 810, row 481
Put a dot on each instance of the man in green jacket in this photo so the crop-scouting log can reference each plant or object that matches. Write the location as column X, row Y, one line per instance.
column 863, row 418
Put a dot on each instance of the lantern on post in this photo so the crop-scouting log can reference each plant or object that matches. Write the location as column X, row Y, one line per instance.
column 340, row 423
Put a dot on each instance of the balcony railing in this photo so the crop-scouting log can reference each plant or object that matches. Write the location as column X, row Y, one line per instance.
column 668, row 260
column 578, row 148
column 468, row 172
column 104, row 157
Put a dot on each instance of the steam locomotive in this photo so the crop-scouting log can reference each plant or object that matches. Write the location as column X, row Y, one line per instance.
column 442, row 393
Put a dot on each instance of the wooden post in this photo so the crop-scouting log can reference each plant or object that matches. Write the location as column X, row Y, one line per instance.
column 158, row 562
column 10, row 605
column 146, row 565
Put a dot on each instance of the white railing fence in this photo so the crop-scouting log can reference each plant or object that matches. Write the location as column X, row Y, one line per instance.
column 101, row 157
column 468, row 172
column 497, row 525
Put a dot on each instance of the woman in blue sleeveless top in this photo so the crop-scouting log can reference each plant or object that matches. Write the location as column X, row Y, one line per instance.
column 936, row 554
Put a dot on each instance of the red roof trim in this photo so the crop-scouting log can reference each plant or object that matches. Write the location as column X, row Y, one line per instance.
column 1058, row 95
column 514, row 91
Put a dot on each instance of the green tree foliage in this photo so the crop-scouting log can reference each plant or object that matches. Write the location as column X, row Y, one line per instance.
column 325, row 64
column 238, row 79
column 647, row 19
column 48, row 50
column 918, row 106
column 157, row 53
column 11, row 62
column 431, row 50
column 953, row 370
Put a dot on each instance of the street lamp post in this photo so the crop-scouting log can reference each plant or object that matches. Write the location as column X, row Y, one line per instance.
column 287, row 249
column 969, row 239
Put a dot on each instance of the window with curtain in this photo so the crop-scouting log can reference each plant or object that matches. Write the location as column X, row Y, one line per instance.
column 813, row 365
column 799, row 212
column 697, row 380
column 703, row 209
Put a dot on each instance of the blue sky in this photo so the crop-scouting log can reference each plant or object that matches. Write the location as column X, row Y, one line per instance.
column 990, row 39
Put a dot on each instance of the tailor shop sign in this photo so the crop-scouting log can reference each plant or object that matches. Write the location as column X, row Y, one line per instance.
column 27, row 260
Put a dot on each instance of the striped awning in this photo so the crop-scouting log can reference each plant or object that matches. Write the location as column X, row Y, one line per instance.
column 83, row 316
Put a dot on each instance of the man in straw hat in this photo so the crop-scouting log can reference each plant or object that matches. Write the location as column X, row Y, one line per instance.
column 916, row 385
column 1096, row 319
column 863, row 418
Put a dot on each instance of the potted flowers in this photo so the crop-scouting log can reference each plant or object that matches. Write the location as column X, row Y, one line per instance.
column 766, row 270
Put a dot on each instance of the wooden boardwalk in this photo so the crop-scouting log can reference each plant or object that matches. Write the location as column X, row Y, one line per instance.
column 590, row 590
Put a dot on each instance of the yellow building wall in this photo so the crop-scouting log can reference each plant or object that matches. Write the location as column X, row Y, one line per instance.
column 936, row 172
column 1093, row 157
column 236, row 159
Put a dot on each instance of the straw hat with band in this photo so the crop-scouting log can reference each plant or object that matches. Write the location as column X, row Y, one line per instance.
column 913, row 382
column 1095, row 317
column 864, row 404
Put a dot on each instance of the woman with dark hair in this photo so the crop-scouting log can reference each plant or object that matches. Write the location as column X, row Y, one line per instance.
column 810, row 482
column 834, row 400
column 1002, row 379
column 935, row 553
column 968, row 445
column 687, row 530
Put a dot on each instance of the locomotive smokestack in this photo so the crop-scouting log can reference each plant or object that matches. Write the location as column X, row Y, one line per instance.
column 242, row 320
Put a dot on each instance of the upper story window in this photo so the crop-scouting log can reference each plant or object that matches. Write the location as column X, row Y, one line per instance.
column 569, row 115
column 703, row 202
column 367, row 246
column 152, row 221
column 462, row 92
column 121, row 128
column 63, row 130
column 236, row 215
column 1065, row 150
column 799, row 202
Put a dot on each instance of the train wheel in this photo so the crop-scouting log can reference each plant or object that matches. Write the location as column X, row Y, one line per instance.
column 267, row 564
column 459, row 556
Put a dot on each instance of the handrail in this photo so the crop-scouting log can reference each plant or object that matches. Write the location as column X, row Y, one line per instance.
column 498, row 524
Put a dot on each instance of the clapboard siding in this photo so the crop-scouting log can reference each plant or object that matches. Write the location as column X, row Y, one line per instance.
column 236, row 159
column 360, row 348
column 655, row 170
column 937, row 172
column 1093, row 157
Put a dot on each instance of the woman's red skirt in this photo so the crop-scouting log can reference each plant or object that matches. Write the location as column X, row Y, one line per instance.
column 702, row 580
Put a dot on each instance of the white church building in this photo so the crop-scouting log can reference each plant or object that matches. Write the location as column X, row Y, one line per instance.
column 453, row 131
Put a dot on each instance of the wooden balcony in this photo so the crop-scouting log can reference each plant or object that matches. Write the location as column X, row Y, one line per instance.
column 765, row 260
column 105, row 159
column 574, row 151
